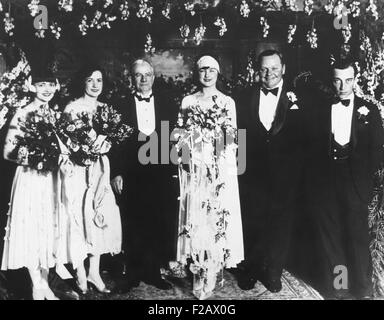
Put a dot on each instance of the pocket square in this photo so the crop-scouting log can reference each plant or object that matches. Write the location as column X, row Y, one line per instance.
column 294, row 107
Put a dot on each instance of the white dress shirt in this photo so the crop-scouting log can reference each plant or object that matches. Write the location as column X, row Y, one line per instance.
column 268, row 105
column 342, row 121
column 146, row 116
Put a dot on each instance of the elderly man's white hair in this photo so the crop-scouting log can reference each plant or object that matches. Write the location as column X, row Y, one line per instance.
column 139, row 62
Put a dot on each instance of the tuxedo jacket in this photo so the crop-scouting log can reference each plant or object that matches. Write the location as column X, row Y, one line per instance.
column 274, row 158
column 149, row 198
column 366, row 143
column 124, row 157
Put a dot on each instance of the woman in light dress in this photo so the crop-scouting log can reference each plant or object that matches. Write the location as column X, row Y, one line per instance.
column 31, row 231
column 91, row 224
column 199, row 241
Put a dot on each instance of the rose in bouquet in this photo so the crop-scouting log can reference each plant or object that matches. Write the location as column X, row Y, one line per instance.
column 107, row 121
column 38, row 146
column 79, row 136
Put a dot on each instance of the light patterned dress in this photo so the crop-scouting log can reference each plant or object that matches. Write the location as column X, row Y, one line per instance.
column 90, row 218
column 210, row 227
column 32, row 226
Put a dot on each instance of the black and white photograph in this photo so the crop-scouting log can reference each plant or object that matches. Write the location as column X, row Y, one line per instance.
column 210, row 151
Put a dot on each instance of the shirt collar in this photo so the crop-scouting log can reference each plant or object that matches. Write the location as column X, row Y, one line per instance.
column 149, row 95
column 350, row 97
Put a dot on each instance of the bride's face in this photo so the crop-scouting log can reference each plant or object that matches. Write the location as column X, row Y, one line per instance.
column 45, row 91
column 208, row 76
column 94, row 84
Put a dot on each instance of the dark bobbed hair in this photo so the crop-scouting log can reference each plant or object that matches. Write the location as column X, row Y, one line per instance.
column 77, row 85
column 268, row 53
column 195, row 72
column 343, row 63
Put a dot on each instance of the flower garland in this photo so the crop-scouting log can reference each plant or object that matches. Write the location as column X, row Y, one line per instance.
column 220, row 22
column 13, row 93
column 312, row 38
column 199, row 34
column 291, row 32
column 149, row 48
column 244, row 9
column 265, row 25
column 184, row 32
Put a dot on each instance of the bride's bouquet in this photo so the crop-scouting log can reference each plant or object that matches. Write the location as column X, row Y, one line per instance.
column 107, row 121
column 213, row 122
column 204, row 133
column 38, row 146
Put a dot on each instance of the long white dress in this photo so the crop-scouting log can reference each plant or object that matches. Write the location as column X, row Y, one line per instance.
column 210, row 226
column 90, row 218
column 32, row 227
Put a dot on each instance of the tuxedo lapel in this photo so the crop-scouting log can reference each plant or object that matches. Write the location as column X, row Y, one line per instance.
column 281, row 112
column 157, row 106
column 354, row 129
column 255, row 103
column 328, row 118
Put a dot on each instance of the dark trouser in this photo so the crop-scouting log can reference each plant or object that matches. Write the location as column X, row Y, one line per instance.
column 267, row 233
column 341, row 221
column 147, row 220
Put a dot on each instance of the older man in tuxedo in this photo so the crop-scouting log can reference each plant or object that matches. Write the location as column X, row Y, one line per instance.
column 345, row 151
column 273, row 121
column 143, row 181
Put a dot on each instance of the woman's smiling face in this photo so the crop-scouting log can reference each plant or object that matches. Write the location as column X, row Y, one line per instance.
column 45, row 90
column 208, row 76
column 94, row 84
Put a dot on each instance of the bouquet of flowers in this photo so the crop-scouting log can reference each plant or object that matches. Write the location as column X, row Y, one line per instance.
column 107, row 121
column 211, row 125
column 79, row 136
column 38, row 146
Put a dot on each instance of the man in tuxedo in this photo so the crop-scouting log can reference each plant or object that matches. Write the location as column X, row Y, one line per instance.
column 143, row 181
column 345, row 151
column 269, row 187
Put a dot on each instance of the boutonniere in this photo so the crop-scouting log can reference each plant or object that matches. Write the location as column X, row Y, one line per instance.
column 363, row 112
column 292, row 98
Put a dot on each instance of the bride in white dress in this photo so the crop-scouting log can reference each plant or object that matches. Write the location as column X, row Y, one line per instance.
column 31, row 235
column 210, row 228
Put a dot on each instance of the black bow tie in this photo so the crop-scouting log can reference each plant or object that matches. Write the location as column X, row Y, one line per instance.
column 344, row 102
column 273, row 91
column 140, row 98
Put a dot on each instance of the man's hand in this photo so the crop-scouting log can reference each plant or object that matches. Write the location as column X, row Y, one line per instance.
column 117, row 184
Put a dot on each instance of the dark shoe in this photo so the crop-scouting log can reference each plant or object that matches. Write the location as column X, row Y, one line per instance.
column 272, row 284
column 246, row 282
column 127, row 286
column 159, row 283
column 98, row 286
